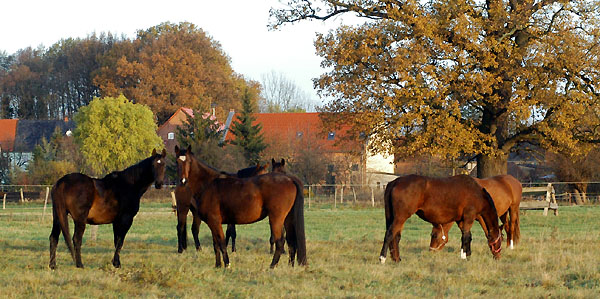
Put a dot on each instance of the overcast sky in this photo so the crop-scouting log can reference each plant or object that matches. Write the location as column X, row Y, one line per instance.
column 239, row 25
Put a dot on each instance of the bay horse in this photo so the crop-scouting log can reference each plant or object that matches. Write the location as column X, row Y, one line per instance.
column 185, row 204
column 278, row 166
column 224, row 199
column 506, row 191
column 231, row 233
column 438, row 201
column 114, row 199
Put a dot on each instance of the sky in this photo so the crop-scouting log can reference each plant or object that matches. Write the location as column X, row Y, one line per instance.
column 240, row 26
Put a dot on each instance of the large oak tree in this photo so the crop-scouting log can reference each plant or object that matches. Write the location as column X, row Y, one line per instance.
column 461, row 77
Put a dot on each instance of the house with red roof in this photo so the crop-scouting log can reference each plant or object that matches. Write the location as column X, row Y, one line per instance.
column 289, row 130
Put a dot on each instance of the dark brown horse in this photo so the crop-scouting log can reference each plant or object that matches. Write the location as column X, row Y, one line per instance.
column 113, row 199
column 438, row 201
column 506, row 191
column 185, row 204
column 278, row 166
column 225, row 199
column 231, row 233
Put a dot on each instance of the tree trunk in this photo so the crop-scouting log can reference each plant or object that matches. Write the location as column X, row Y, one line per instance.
column 488, row 166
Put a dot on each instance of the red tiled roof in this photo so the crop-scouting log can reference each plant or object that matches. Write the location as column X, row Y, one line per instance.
column 8, row 130
column 297, row 126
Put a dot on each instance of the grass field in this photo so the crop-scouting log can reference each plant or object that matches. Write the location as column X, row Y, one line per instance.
column 558, row 257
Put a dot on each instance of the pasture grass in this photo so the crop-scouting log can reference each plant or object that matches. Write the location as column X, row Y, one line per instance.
column 558, row 257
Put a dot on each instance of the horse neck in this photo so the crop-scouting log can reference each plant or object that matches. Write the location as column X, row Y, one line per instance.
column 202, row 174
column 140, row 175
column 489, row 214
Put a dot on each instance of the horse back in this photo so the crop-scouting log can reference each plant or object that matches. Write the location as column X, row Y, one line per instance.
column 247, row 200
column 505, row 191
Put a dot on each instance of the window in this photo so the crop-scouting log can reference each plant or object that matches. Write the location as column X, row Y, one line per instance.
column 171, row 136
column 331, row 136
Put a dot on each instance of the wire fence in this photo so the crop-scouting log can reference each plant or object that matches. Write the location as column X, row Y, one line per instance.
column 326, row 195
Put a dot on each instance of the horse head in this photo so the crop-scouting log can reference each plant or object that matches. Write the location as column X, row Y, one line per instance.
column 158, row 167
column 495, row 244
column 184, row 161
column 278, row 166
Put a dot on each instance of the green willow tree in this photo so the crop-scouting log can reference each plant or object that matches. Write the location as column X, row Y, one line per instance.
column 114, row 133
column 247, row 136
column 450, row 78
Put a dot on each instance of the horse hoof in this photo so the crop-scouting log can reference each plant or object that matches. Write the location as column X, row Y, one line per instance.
column 512, row 245
column 227, row 266
column 382, row 260
column 463, row 255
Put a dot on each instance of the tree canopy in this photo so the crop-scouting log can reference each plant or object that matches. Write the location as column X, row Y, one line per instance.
column 454, row 78
column 170, row 66
column 114, row 133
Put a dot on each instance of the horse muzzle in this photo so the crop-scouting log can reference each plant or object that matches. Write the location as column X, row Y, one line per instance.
column 158, row 185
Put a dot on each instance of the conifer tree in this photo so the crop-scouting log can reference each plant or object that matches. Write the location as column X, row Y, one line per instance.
column 248, row 136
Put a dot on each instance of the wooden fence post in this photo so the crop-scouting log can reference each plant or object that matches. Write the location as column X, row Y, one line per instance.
column 173, row 201
column 334, row 196
column 22, row 199
column 309, row 195
column 45, row 202
column 342, row 194
column 372, row 198
column 4, row 202
column 354, row 193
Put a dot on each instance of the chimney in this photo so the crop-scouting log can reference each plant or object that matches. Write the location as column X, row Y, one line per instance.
column 227, row 124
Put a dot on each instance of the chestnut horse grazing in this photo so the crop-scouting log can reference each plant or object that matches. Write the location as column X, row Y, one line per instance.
column 185, row 204
column 438, row 201
column 113, row 199
column 506, row 191
column 225, row 199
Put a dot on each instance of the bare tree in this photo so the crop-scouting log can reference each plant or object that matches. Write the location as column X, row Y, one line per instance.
column 281, row 94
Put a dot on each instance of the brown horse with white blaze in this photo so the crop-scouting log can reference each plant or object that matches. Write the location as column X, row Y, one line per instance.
column 113, row 199
column 506, row 191
column 438, row 201
column 229, row 200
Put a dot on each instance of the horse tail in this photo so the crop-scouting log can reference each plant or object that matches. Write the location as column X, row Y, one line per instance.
column 60, row 217
column 387, row 201
column 298, row 210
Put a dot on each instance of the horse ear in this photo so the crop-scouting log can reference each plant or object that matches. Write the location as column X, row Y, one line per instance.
column 272, row 161
column 164, row 153
column 176, row 150
column 153, row 152
column 189, row 149
column 282, row 162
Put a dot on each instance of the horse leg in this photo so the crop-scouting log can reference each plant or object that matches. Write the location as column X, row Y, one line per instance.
column 290, row 236
column 218, row 243
column 196, row 229
column 391, row 240
column 120, row 229
column 182, row 211
column 277, row 233
column 465, row 227
column 77, row 239
column 54, row 242
column 230, row 233
column 507, row 227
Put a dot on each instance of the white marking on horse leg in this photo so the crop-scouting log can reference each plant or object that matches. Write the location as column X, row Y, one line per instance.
column 382, row 259
column 463, row 255
column 512, row 245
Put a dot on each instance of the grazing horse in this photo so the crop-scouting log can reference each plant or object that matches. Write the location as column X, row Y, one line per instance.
column 113, row 199
column 225, row 199
column 506, row 191
column 185, row 204
column 438, row 201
